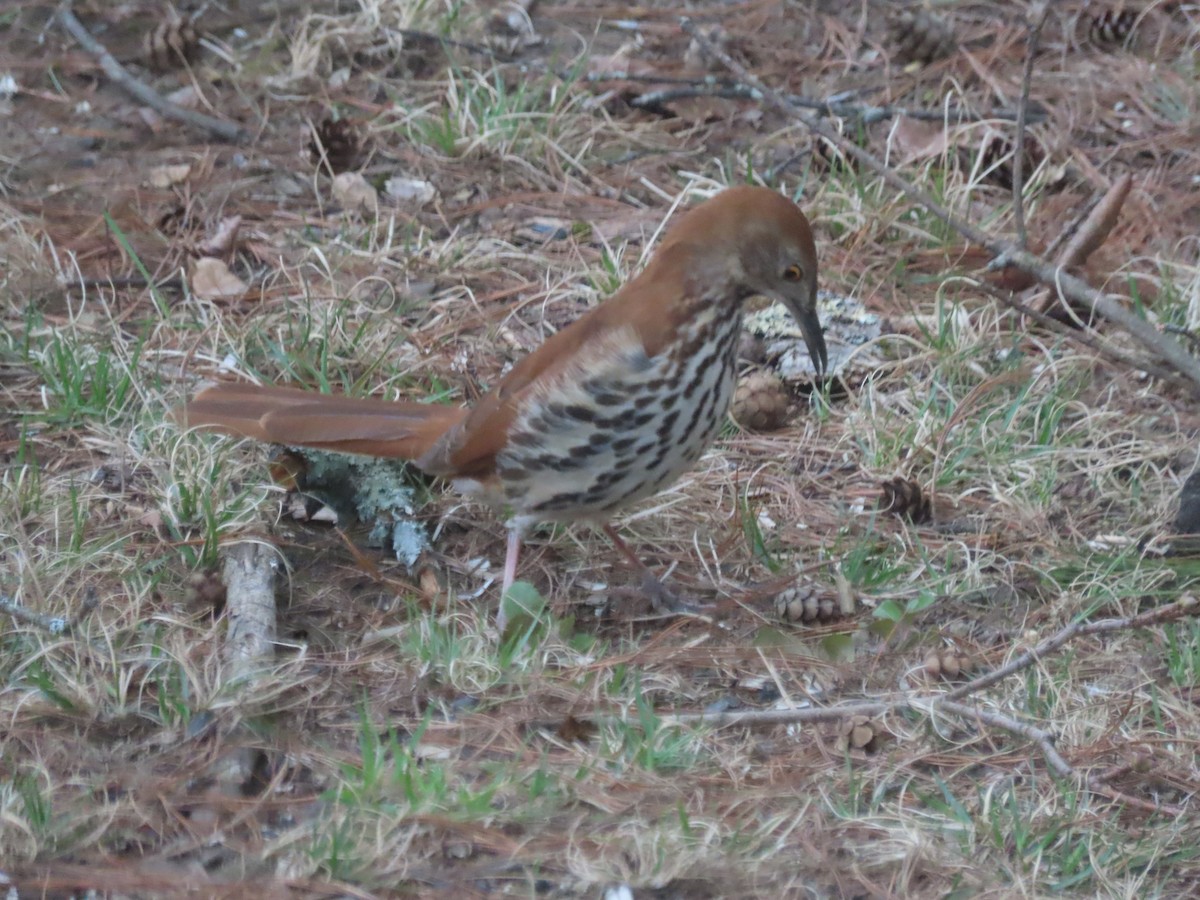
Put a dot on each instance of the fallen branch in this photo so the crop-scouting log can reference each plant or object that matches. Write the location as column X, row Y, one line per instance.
column 248, row 570
column 1078, row 336
column 932, row 704
column 867, row 113
column 1018, row 178
column 143, row 93
column 53, row 625
column 1006, row 253
column 763, row 717
column 60, row 626
column 1184, row 606
column 729, row 88
column 1045, row 741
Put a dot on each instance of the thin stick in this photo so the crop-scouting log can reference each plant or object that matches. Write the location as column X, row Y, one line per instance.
column 1186, row 605
column 1018, row 176
column 1074, row 334
column 866, row 112
column 226, row 131
column 1005, row 251
column 1044, row 741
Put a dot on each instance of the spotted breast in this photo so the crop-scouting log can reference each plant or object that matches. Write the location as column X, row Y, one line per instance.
column 626, row 426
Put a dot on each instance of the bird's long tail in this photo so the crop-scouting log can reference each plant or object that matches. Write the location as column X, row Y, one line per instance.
column 303, row 418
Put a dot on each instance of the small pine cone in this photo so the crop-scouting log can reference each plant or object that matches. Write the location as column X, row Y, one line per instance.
column 205, row 591
column 804, row 603
column 861, row 733
column 337, row 142
column 947, row 664
column 173, row 42
column 1112, row 28
column 921, row 37
column 997, row 158
column 904, row 499
column 760, row 402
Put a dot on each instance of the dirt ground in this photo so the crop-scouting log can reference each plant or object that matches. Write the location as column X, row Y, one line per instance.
column 422, row 192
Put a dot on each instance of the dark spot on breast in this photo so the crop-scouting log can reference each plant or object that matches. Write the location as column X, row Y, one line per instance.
column 620, row 445
column 581, row 412
column 660, row 457
column 560, row 501
column 584, row 451
column 667, row 423
column 694, row 421
column 555, row 462
column 524, row 439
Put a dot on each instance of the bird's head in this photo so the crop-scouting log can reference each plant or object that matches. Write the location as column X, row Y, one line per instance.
column 763, row 243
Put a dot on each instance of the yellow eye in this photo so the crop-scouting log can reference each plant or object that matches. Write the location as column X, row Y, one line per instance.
column 793, row 273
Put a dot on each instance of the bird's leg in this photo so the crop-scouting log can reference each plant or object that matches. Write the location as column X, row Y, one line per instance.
column 660, row 595
column 511, row 554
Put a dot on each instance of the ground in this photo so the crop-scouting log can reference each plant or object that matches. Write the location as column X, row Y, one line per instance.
column 427, row 190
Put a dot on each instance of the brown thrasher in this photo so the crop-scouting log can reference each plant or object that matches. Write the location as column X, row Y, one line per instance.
column 609, row 410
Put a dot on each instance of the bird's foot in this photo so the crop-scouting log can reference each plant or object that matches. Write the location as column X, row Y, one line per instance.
column 651, row 596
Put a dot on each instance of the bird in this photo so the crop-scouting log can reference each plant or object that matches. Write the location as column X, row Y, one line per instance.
column 609, row 410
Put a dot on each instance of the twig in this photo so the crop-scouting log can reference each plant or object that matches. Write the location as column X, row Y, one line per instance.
column 729, row 88
column 1038, row 12
column 867, row 113
column 1098, row 224
column 1005, row 251
column 143, row 93
column 1078, row 336
column 763, row 717
column 54, row 625
column 1186, row 605
column 948, row 702
column 1044, row 741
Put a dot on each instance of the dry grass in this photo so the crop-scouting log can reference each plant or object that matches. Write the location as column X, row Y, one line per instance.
column 396, row 749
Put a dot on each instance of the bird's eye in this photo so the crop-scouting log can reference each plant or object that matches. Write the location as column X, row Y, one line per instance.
column 793, row 273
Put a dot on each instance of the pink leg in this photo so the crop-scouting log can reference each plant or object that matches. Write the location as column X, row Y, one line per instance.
column 661, row 596
column 510, row 571
column 623, row 548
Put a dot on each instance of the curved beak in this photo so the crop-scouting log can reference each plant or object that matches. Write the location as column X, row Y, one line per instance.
column 801, row 302
column 814, row 337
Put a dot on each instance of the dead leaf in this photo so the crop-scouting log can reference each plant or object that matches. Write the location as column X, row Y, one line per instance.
column 225, row 238
column 914, row 140
column 165, row 176
column 410, row 190
column 354, row 192
column 575, row 730
column 212, row 280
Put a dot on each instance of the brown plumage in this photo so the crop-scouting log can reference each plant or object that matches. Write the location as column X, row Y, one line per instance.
column 609, row 410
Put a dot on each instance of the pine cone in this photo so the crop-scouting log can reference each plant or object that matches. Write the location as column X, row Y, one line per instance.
column 805, row 603
column 862, row 733
column 903, row 499
column 947, row 664
column 337, row 142
column 173, row 42
column 1112, row 28
column 760, row 402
